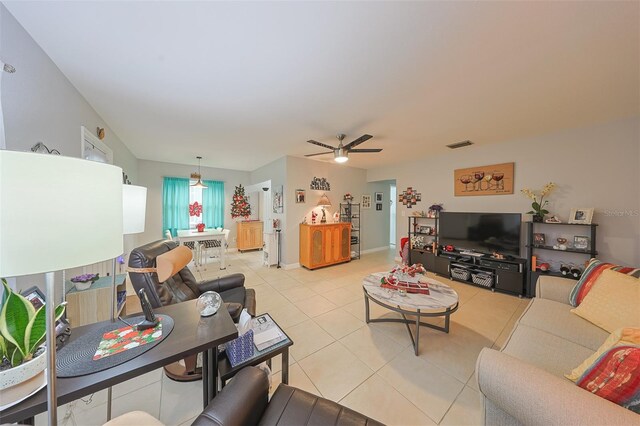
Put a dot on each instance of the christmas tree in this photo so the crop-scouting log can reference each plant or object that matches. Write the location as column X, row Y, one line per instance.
column 239, row 206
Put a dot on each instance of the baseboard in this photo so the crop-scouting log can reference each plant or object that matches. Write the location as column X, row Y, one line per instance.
column 291, row 266
column 373, row 250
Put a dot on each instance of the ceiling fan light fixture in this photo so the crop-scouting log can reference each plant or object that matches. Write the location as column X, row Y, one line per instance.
column 340, row 155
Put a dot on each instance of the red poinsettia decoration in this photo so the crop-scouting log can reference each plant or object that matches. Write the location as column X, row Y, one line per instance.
column 195, row 209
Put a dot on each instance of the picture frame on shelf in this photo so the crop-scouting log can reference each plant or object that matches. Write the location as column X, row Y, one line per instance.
column 378, row 197
column 581, row 216
column 366, row 201
column 426, row 229
column 581, row 242
column 539, row 239
column 379, row 207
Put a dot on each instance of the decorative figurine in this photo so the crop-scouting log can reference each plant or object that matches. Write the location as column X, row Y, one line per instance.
column 562, row 244
column 314, row 215
column 553, row 219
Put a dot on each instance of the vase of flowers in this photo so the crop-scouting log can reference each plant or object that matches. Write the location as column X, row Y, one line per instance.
column 539, row 203
column 84, row 281
column 348, row 197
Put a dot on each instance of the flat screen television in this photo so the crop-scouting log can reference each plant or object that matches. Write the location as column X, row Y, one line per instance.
column 481, row 232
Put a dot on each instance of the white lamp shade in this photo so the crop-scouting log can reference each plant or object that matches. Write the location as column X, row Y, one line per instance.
column 134, row 208
column 57, row 212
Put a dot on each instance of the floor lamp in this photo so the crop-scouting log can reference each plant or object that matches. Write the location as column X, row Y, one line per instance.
column 134, row 208
column 71, row 210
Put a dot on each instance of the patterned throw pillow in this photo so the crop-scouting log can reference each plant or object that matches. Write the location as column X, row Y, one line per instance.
column 613, row 372
column 591, row 274
column 613, row 302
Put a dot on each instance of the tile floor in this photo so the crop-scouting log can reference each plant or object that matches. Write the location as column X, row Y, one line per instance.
column 369, row 368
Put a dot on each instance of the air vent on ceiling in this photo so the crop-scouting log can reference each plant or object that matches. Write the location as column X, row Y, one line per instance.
column 459, row 144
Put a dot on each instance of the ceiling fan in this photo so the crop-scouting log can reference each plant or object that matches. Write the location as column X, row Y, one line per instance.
column 341, row 152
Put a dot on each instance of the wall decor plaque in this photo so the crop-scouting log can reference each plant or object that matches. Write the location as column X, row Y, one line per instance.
column 496, row 179
column 320, row 184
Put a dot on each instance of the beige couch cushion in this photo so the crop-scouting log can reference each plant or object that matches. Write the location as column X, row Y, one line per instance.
column 613, row 302
column 544, row 350
column 134, row 418
column 556, row 318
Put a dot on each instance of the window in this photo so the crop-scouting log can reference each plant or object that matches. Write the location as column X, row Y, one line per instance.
column 178, row 198
column 195, row 196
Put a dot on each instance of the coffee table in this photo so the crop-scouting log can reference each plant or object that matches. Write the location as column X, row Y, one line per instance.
column 441, row 301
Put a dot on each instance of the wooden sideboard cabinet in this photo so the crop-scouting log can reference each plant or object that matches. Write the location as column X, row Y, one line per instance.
column 325, row 244
column 249, row 235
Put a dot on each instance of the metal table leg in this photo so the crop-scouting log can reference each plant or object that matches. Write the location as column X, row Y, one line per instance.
column 205, row 379
column 285, row 366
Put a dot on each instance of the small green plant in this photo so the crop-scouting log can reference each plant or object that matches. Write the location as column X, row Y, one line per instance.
column 22, row 327
column 539, row 205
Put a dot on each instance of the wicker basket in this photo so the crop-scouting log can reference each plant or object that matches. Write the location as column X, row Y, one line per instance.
column 460, row 274
column 485, row 280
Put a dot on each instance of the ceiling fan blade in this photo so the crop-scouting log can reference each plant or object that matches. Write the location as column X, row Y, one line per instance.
column 321, row 144
column 366, row 150
column 319, row 153
column 358, row 141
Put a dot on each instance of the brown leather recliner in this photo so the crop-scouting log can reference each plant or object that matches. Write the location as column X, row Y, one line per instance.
column 245, row 401
column 182, row 287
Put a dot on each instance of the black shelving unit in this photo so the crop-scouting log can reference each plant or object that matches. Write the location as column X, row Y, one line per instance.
column 427, row 257
column 350, row 212
column 532, row 276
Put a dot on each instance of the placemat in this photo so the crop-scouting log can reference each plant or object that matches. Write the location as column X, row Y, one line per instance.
column 76, row 358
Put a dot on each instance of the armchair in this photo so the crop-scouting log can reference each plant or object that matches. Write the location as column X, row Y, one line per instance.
column 181, row 287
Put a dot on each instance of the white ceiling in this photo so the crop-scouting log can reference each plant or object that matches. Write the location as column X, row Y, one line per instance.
column 245, row 83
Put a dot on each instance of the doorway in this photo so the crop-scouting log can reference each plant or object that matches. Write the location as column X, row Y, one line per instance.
column 392, row 215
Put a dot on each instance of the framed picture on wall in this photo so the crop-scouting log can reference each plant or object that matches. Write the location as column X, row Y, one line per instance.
column 378, row 197
column 366, row 201
column 379, row 207
column 278, row 200
column 300, row 196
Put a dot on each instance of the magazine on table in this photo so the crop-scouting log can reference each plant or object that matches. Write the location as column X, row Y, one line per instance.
column 266, row 332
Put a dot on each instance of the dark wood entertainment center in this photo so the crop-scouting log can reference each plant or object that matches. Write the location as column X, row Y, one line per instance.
column 503, row 275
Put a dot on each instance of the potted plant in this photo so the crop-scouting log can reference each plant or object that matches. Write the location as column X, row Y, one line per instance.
column 538, row 205
column 22, row 333
column 84, row 281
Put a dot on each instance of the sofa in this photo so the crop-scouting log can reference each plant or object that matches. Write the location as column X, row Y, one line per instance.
column 245, row 401
column 524, row 383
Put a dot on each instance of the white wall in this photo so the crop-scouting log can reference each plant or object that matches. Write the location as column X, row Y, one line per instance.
column 150, row 174
column 39, row 104
column 595, row 166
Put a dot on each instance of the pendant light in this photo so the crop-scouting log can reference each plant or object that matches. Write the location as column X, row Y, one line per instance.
column 198, row 176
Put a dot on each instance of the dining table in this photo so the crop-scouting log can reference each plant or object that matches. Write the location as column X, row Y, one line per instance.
column 186, row 235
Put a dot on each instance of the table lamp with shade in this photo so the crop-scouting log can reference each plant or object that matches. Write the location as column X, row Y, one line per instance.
column 56, row 213
column 324, row 202
column 134, row 208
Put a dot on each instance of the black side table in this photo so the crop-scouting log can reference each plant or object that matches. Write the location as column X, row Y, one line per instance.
column 226, row 371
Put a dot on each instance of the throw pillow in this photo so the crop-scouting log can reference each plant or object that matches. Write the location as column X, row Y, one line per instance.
column 591, row 274
column 613, row 372
column 613, row 302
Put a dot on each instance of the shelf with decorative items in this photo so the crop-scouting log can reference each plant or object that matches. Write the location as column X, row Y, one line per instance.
column 350, row 212
column 558, row 239
column 423, row 238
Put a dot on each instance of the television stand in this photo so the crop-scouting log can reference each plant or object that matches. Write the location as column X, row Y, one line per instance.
column 502, row 275
column 472, row 253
